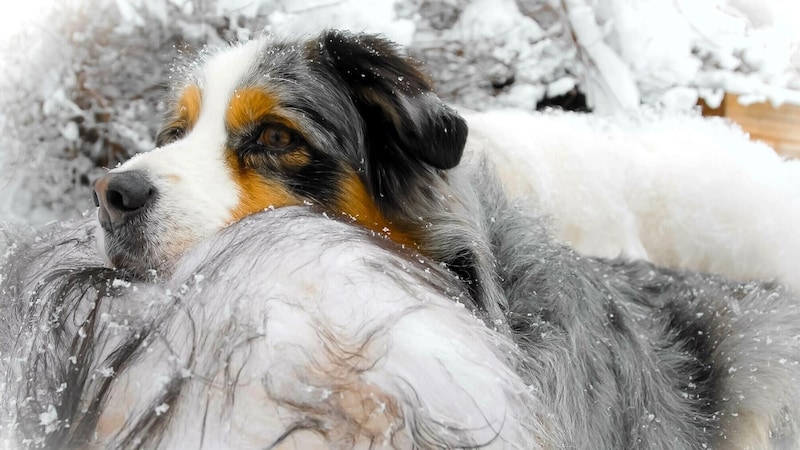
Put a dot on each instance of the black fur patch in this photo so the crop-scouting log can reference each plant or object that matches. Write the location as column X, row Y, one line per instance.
column 692, row 335
column 410, row 133
column 319, row 180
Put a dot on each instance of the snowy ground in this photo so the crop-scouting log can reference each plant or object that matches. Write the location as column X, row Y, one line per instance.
column 82, row 83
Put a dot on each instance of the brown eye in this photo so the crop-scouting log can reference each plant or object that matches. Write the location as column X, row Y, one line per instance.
column 276, row 138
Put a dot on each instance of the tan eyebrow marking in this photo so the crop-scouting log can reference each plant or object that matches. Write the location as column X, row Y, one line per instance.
column 189, row 105
column 249, row 106
column 186, row 110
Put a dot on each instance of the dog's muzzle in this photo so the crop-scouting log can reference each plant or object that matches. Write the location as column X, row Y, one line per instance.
column 121, row 196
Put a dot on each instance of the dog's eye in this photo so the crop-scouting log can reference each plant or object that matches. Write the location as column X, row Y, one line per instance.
column 276, row 138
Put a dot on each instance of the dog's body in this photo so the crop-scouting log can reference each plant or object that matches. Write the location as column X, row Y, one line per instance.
column 683, row 192
column 330, row 338
column 582, row 353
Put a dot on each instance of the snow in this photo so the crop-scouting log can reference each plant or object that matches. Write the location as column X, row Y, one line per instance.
column 304, row 17
column 128, row 9
column 70, row 131
column 14, row 19
column 49, row 419
column 161, row 409
column 613, row 87
column 117, row 283
column 561, row 86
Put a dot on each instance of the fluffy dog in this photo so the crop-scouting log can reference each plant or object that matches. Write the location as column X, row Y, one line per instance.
column 286, row 330
column 576, row 352
column 682, row 192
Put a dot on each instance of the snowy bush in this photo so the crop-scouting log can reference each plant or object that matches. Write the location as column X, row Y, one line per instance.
column 79, row 96
column 621, row 53
column 82, row 92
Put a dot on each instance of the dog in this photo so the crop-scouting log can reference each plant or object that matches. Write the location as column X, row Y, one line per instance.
column 588, row 353
column 683, row 192
column 329, row 339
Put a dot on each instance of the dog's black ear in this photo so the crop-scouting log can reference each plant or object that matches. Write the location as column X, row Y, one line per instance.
column 406, row 122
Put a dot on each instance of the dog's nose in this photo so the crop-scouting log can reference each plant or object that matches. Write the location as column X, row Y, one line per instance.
column 120, row 194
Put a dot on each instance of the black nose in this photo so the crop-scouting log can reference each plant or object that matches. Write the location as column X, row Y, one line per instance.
column 121, row 194
column 128, row 191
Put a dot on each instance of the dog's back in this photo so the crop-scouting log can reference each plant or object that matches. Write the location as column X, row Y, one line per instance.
column 631, row 355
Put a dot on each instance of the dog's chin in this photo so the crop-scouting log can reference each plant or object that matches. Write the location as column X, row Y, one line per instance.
column 135, row 259
column 140, row 269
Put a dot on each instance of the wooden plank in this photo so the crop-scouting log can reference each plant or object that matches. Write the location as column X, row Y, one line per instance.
column 708, row 111
column 778, row 131
column 785, row 113
column 765, row 139
column 777, row 127
column 789, row 149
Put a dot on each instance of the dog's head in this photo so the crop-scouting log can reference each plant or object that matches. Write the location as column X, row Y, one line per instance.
column 342, row 121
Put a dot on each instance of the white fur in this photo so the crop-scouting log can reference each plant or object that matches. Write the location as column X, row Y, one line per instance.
column 682, row 192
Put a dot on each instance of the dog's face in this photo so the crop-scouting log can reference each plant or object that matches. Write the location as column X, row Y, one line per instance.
column 341, row 121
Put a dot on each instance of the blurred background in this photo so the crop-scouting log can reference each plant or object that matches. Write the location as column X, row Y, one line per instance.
column 82, row 81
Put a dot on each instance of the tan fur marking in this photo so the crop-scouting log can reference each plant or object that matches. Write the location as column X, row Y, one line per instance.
column 372, row 410
column 187, row 109
column 356, row 410
column 113, row 418
column 358, row 204
column 296, row 159
column 110, row 423
column 249, row 106
column 256, row 193
column 189, row 105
